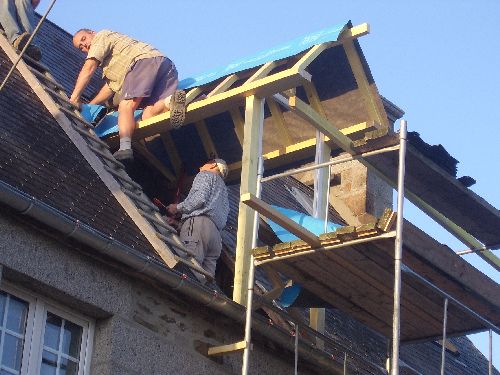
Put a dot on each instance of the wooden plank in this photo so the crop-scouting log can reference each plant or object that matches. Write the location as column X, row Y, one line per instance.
column 173, row 154
column 192, row 94
column 227, row 349
column 361, row 263
column 206, row 139
column 141, row 148
column 421, row 195
column 346, row 35
column 252, row 149
column 315, row 280
column 372, row 100
column 266, row 210
column 306, row 112
column 219, row 103
column 238, row 122
column 279, row 122
column 263, row 71
column 224, row 85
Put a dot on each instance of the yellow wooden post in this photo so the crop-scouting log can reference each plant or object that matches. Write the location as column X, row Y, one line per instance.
column 321, row 196
column 252, row 149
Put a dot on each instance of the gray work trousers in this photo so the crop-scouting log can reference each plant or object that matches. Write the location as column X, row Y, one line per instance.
column 16, row 17
column 201, row 236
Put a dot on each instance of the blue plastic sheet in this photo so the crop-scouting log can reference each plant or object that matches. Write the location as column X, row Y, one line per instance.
column 316, row 226
column 282, row 51
column 109, row 124
column 312, row 224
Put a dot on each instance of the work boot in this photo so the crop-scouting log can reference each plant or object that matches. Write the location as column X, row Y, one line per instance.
column 177, row 109
column 21, row 41
column 32, row 50
column 124, row 155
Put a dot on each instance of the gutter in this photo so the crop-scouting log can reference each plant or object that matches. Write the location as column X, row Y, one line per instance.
column 75, row 229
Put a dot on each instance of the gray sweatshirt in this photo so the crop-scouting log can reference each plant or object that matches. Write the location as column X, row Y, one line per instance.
column 207, row 197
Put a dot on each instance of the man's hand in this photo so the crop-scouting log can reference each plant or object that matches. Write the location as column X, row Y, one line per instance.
column 34, row 3
column 172, row 209
column 88, row 69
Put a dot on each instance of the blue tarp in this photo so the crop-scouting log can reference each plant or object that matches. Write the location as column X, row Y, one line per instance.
column 316, row 226
column 109, row 124
column 312, row 224
column 282, row 51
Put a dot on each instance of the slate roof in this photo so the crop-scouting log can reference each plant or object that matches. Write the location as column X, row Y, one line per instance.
column 37, row 158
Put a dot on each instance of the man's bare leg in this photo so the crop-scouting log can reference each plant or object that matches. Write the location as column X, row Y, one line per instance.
column 155, row 109
column 126, row 127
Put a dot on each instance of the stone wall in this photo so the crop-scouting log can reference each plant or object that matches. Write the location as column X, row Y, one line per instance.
column 140, row 328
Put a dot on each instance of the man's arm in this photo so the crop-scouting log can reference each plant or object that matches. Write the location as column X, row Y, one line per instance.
column 88, row 69
column 104, row 94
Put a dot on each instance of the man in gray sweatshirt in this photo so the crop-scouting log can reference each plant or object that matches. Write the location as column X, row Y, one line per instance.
column 204, row 214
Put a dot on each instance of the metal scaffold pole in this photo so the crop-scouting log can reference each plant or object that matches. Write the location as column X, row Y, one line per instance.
column 398, row 252
column 443, row 342
column 251, row 278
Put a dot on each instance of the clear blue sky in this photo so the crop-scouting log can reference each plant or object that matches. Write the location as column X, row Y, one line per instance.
column 437, row 60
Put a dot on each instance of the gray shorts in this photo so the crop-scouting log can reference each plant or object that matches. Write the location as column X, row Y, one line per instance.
column 152, row 79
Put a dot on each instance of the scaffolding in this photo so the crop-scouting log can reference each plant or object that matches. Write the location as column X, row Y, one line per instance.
column 399, row 268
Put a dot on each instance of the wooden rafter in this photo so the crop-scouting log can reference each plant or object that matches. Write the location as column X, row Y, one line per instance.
column 239, row 123
column 371, row 98
column 141, row 148
column 206, row 139
column 173, row 154
column 224, row 85
column 299, row 150
column 279, row 122
column 219, row 103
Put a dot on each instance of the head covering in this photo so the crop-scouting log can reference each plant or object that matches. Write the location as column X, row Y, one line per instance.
column 221, row 164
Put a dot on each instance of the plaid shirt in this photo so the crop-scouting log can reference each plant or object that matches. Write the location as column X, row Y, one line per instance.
column 207, row 197
column 116, row 53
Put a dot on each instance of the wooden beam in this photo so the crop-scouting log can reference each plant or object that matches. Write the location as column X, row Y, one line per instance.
column 252, row 149
column 142, row 149
column 173, row 154
column 206, row 139
column 227, row 349
column 296, row 151
column 279, row 121
column 192, row 94
column 224, row 85
column 321, row 196
column 263, row 71
column 315, row 51
column 219, row 103
column 369, row 94
column 239, row 123
column 267, row 211
column 306, row 112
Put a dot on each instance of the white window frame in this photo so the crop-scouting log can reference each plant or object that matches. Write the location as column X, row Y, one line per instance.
column 35, row 324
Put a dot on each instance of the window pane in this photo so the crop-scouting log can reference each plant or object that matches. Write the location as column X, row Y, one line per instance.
column 72, row 338
column 52, row 331
column 68, row 367
column 12, row 352
column 16, row 315
column 49, row 363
